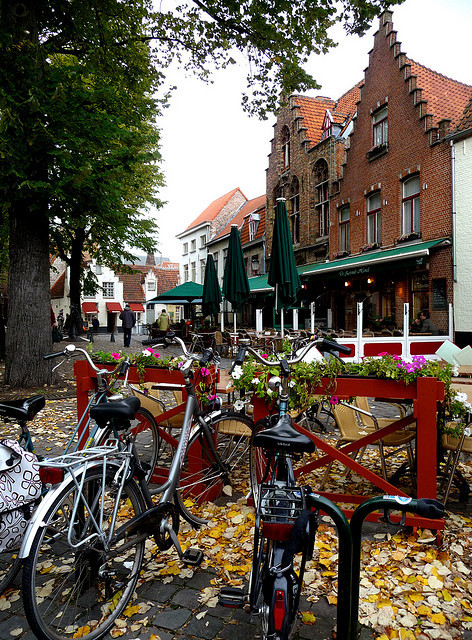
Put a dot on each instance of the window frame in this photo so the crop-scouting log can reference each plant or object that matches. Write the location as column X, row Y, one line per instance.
column 409, row 204
column 107, row 287
column 380, row 125
column 285, row 147
column 373, row 231
column 344, row 228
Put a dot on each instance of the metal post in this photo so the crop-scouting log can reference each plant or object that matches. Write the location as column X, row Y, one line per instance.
column 312, row 317
column 360, row 322
column 406, row 329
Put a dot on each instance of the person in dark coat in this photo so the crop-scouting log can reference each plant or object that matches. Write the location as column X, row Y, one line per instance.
column 128, row 318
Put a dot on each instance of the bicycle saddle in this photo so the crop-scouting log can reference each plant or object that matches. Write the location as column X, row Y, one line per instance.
column 121, row 411
column 24, row 409
column 284, row 436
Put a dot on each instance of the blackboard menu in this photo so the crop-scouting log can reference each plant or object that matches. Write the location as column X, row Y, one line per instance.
column 439, row 294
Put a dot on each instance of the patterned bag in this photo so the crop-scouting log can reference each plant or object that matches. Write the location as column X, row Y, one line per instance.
column 20, row 487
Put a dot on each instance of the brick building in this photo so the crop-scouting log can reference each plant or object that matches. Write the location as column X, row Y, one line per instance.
column 369, row 189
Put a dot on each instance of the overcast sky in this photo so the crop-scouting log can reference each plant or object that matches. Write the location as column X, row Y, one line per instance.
column 210, row 146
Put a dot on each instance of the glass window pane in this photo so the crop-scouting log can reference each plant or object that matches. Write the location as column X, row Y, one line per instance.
column 373, row 202
column 411, row 187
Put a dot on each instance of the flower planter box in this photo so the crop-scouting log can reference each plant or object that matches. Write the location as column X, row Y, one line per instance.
column 425, row 393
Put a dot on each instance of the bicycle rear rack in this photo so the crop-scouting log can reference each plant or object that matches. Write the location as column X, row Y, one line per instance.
column 279, row 508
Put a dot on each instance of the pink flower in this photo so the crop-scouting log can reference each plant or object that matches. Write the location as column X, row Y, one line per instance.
column 384, row 353
column 117, row 356
column 150, row 350
column 205, row 372
column 264, row 355
column 156, row 355
column 334, row 400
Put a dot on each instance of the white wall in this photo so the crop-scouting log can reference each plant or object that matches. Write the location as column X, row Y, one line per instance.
column 463, row 196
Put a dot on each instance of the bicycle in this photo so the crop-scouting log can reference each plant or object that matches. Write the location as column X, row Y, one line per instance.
column 287, row 520
column 24, row 410
column 216, row 429
column 85, row 548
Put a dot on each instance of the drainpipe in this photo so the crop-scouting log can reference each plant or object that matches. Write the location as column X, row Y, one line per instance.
column 454, row 220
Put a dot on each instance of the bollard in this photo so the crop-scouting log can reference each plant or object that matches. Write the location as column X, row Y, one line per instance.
column 343, row 618
column 112, row 337
column 426, row 507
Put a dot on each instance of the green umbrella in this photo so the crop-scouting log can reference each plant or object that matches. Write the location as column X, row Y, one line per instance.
column 235, row 282
column 283, row 274
column 211, row 289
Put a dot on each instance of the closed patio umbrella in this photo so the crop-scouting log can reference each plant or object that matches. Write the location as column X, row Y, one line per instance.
column 283, row 274
column 211, row 290
column 235, row 282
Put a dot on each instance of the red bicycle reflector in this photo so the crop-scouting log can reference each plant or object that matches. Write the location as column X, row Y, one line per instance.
column 279, row 610
column 51, row 475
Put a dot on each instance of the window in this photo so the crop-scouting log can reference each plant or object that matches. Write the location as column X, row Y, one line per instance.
column 108, row 289
column 151, row 285
column 194, row 271
column 373, row 218
column 254, row 219
column 185, row 272
column 295, row 210
column 420, row 293
column 202, row 271
column 255, row 265
column 215, row 260
column 185, row 247
column 380, row 127
column 322, row 195
column 344, row 221
column 285, row 139
column 327, row 125
column 193, row 244
column 202, row 241
column 225, row 253
column 411, row 205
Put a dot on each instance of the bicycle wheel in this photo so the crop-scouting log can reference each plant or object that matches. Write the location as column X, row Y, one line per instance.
column 77, row 580
column 10, row 565
column 146, row 439
column 202, row 478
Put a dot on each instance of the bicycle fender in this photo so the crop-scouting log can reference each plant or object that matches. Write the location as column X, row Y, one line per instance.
column 37, row 520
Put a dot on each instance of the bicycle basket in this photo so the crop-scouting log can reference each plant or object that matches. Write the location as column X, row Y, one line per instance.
column 279, row 508
column 20, row 486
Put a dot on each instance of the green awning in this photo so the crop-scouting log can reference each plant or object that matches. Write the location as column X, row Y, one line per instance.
column 259, row 284
column 184, row 293
column 358, row 265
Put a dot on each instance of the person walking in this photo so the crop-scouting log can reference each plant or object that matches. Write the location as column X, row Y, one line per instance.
column 163, row 323
column 128, row 319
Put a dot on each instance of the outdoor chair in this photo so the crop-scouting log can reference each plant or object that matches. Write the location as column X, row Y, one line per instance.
column 348, row 421
column 455, row 446
column 222, row 345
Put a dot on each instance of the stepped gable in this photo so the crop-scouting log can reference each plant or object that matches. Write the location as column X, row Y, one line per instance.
column 446, row 97
column 346, row 106
column 249, row 207
column 214, row 208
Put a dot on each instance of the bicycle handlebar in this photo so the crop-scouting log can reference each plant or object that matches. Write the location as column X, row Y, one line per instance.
column 207, row 356
column 71, row 350
column 324, row 343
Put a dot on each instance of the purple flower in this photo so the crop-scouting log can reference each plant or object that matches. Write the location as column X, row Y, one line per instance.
column 156, row 355
column 205, row 372
column 334, row 400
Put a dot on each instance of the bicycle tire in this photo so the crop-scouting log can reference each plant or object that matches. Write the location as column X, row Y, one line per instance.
column 146, row 438
column 202, row 480
column 10, row 565
column 69, row 591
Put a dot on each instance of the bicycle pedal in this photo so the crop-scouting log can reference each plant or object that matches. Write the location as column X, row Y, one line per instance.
column 232, row 597
column 192, row 557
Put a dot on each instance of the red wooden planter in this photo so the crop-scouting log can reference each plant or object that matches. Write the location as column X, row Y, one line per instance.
column 425, row 394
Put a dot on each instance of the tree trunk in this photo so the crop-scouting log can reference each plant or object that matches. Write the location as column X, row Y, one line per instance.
column 75, row 265
column 29, row 301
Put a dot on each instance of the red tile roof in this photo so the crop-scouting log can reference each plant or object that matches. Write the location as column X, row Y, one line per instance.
column 214, row 208
column 260, row 228
column 57, row 289
column 466, row 120
column 167, row 279
column 313, row 111
column 446, row 98
column 132, row 286
column 249, row 207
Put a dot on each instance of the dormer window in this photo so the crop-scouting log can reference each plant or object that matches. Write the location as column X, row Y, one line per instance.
column 254, row 220
column 327, row 125
column 285, row 144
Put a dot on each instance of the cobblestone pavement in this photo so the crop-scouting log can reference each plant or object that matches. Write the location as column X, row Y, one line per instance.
column 171, row 608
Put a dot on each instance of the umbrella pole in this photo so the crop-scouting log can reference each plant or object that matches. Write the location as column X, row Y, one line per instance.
column 234, row 319
column 282, row 322
column 222, row 318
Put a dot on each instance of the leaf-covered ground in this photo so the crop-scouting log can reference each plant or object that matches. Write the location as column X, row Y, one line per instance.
column 410, row 587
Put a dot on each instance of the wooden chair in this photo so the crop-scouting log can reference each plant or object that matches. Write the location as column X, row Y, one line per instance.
column 455, row 446
column 351, row 428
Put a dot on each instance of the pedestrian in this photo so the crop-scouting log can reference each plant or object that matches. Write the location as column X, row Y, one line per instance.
column 128, row 318
column 95, row 324
column 60, row 320
column 163, row 323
